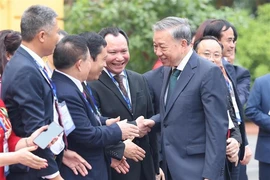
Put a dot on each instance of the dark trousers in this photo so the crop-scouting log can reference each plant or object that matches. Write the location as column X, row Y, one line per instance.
column 243, row 172
column 235, row 172
column 264, row 171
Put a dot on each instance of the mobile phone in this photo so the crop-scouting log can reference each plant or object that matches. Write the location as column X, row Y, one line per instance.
column 46, row 137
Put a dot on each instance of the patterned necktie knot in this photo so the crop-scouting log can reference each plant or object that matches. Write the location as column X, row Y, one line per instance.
column 119, row 79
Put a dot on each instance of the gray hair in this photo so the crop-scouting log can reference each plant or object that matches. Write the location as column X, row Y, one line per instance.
column 35, row 19
column 178, row 27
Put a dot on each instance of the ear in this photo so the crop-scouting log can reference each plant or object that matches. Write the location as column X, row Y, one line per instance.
column 8, row 55
column 78, row 65
column 183, row 42
column 41, row 36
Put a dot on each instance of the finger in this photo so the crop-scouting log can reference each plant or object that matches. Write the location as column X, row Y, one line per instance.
column 126, row 164
column 121, row 169
column 31, row 148
column 140, row 151
column 80, row 170
column 134, row 158
column 41, row 129
column 87, row 165
column 74, row 170
column 117, row 170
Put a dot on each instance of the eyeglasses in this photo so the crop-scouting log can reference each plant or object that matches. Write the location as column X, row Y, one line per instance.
column 213, row 55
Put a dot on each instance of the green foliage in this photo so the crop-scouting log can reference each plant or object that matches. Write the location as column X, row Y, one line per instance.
column 136, row 17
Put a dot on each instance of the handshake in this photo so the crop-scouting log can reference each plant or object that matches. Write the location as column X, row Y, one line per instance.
column 130, row 130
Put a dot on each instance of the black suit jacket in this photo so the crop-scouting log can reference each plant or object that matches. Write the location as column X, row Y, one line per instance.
column 112, row 104
column 232, row 76
column 29, row 101
column 89, row 138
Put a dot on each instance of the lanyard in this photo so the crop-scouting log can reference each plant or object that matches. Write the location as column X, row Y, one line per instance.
column 48, row 79
column 97, row 117
column 2, row 124
column 127, row 87
column 93, row 99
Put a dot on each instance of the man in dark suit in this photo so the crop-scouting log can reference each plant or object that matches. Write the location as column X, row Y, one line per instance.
column 27, row 90
column 193, row 115
column 227, row 36
column 128, row 98
column 258, row 111
column 73, row 63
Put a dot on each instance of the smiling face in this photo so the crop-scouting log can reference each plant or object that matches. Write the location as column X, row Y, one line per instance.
column 98, row 65
column 227, row 40
column 169, row 50
column 118, row 53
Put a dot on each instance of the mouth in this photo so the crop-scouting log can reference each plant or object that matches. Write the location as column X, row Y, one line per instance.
column 118, row 64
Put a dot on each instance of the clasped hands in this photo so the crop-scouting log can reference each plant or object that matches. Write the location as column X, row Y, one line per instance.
column 232, row 150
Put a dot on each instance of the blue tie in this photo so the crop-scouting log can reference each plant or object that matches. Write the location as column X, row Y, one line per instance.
column 172, row 82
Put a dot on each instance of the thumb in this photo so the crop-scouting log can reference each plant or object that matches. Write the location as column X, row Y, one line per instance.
column 41, row 129
column 229, row 140
column 31, row 148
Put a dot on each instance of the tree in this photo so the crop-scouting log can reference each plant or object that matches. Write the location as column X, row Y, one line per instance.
column 136, row 17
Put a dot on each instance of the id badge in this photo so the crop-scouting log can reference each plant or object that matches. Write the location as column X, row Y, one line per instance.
column 67, row 121
column 231, row 125
column 6, row 168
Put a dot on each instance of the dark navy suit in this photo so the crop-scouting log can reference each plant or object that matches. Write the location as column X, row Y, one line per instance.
column 258, row 111
column 194, row 122
column 89, row 139
column 29, row 101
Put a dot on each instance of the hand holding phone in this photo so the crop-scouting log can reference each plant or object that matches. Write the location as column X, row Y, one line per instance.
column 46, row 137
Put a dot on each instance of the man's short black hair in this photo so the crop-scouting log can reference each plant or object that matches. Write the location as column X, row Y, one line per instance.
column 69, row 50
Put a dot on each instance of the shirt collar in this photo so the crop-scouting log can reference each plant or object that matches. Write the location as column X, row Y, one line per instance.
column 183, row 63
column 36, row 57
column 76, row 81
column 122, row 73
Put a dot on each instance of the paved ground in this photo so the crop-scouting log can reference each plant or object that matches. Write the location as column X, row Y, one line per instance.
column 252, row 168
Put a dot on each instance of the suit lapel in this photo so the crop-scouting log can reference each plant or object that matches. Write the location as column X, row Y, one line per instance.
column 133, row 92
column 107, row 81
column 167, row 71
column 185, row 77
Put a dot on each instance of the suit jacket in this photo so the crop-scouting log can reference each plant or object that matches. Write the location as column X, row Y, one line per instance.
column 29, row 100
column 195, row 122
column 241, row 78
column 258, row 110
column 154, row 80
column 232, row 76
column 88, row 139
column 112, row 104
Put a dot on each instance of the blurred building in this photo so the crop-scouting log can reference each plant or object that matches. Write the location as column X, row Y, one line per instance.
column 12, row 10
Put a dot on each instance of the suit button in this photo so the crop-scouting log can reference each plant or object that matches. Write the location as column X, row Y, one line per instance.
column 167, row 144
column 165, row 125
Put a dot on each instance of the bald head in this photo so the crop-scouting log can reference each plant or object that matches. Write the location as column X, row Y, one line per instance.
column 211, row 50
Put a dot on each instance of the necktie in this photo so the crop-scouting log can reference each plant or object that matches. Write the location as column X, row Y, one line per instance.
column 172, row 81
column 119, row 79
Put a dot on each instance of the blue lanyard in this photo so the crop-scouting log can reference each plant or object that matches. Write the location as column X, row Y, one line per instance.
column 2, row 124
column 117, row 85
column 89, row 105
column 48, row 79
column 93, row 99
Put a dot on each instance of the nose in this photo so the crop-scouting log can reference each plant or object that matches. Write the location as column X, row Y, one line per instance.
column 158, row 52
column 119, row 57
column 211, row 59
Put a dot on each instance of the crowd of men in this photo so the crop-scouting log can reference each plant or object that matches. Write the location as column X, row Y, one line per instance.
column 182, row 121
